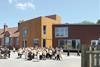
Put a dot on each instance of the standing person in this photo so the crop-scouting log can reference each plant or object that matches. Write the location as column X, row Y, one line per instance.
column 5, row 52
column 14, row 49
column 0, row 52
column 68, row 52
column 26, row 53
column 58, row 55
column 47, row 53
column 33, row 55
column 99, row 41
column 53, row 54
column 50, row 53
column 8, row 52
column 44, row 54
column 20, row 52
column 40, row 54
column 78, row 52
column 30, row 55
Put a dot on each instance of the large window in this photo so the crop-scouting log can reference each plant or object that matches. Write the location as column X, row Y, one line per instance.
column 11, row 40
column 61, row 31
column 17, row 40
column 61, row 43
column 44, row 42
column 36, row 42
column 7, row 39
column 69, row 43
column 44, row 29
column 24, row 32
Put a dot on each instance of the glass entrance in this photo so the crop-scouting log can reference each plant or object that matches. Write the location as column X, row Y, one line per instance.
column 73, row 44
column 61, row 43
column 24, row 44
column 69, row 43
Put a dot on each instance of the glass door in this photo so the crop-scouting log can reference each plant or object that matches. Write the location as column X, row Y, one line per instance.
column 24, row 44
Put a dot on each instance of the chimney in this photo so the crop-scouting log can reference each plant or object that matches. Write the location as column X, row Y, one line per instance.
column 19, row 23
column 5, row 27
column 55, row 17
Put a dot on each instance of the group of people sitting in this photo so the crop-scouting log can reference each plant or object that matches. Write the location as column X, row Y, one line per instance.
column 31, row 53
column 4, row 53
column 40, row 53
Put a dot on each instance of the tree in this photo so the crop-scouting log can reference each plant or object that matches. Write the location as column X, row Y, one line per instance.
column 87, row 22
column 98, row 21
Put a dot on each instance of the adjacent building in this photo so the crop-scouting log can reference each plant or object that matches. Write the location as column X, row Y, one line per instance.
column 9, row 37
column 72, row 36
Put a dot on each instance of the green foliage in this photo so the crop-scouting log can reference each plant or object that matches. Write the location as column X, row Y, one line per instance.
column 98, row 22
column 87, row 22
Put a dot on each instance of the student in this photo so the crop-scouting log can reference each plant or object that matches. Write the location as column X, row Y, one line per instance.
column 0, row 54
column 30, row 55
column 20, row 52
column 50, row 54
column 44, row 54
column 60, row 53
column 57, row 54
column 26, row 53
column 78, row 53
column 40, row 54
column 8, row 53
column 68, row 52
column 47, row 53
column 34, row 52
column 14, row 49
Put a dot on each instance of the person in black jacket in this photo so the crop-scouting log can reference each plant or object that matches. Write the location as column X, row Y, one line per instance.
column 30, row 55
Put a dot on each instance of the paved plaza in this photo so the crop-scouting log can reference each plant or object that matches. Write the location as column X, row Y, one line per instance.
column 67, row 61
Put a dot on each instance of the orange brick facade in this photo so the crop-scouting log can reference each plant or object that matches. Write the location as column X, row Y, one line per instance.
column 36, row 32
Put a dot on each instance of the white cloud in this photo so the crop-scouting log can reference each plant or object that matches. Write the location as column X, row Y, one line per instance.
column 25, row 5
column 22, row 4
column 10, row 1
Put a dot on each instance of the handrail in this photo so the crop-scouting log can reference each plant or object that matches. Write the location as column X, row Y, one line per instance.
column 93, row 52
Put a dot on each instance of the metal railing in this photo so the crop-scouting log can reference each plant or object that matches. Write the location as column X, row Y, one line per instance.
column 91, row 56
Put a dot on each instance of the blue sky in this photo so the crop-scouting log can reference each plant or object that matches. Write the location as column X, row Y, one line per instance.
column 71, row 11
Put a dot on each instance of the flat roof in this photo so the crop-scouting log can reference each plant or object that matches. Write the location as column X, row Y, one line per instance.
column 77, row 24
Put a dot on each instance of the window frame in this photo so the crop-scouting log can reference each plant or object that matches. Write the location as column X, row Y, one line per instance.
column 7, row 40
column 44, row 29
column 61, row 31
column 24, row 32
column 68, row 43
column 35, row 42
